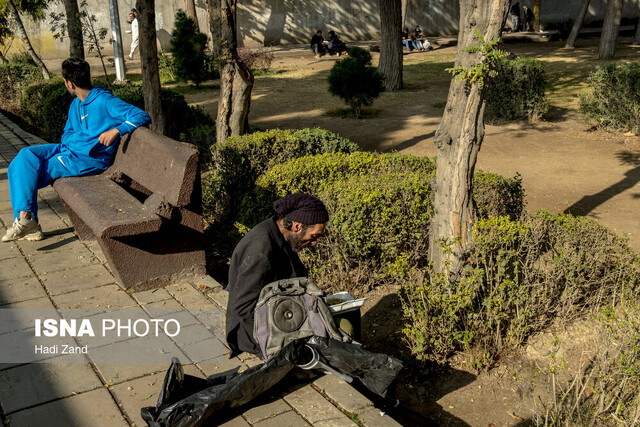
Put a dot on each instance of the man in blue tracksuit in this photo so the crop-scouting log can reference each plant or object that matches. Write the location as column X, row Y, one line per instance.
column 97, row 120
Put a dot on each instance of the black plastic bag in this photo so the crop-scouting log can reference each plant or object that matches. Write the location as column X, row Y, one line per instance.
column 190, row 401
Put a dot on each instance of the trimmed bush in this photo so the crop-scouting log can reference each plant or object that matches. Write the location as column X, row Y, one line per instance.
column 613, row 103
column 380, row 206
column 355, row 80
column 522, row 276
column 45, row 106
column 518, row 90
column 237, row 163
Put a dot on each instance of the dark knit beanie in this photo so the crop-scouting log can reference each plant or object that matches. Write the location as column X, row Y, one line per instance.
column 302, row 208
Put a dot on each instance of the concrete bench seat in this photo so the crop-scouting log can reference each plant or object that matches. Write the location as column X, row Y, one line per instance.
column 145, row 210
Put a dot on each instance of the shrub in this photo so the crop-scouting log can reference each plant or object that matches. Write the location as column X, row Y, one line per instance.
column 202, row 136
column 188, row 46
column 518, row 89
column 523, row 275
column 166, row 68
column 14, row 78
column 237, row 162
column 355, row 80
column 380, row 207
column 613, row 102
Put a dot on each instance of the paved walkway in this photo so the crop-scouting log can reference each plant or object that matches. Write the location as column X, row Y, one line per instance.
column 61, row 272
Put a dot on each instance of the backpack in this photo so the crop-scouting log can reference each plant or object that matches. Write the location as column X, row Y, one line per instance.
column 291, row 309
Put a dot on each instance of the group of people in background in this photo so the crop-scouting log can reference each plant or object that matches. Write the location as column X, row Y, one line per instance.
column 526, row 18
column 415, row 40
column 331, row 46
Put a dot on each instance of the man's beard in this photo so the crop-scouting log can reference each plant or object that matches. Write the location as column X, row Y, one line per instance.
column 296, row 243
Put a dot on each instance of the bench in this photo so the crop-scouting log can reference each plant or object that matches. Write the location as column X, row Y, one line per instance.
column 145, row 210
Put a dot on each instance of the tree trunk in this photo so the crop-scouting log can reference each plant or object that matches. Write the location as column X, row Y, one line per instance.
column 236, row 79
column 74, row 28
column 149, row 60
column 403, row 6
column 458, row 139
column 577, row 25
column 636, row 37
column 536, row 15
column 22, row 33
column 191, row 12
column 610, row 29
column 390, row 64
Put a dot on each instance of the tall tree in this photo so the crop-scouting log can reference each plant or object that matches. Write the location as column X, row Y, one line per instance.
column 459, row 137
column 74, row 29
column 536, row 15
column 390, row 64
column 610, row 29
column 191, row 11
column 34, row 10
column 149, row 61
column 577, row 24
column 236, row 79
column 636, row 37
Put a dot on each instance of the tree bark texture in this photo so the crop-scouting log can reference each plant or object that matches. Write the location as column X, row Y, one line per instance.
column 610, row 29
column 636, row 37
column 191, row 11
column 536, row 15
column 22, row 33
column 390, row 64
column 577, row 24
column 458, row 139
column 149, row 61
column 74, row 29
column 236, row 79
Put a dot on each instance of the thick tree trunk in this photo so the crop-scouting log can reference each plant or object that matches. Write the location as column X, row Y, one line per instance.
column 636, row 37
column 577, row 24
column 390, row 64
column 403, row 5
column 149, row 60
column 536, row 15
column 74, row 28
column 458, row 139
column 22, row 33
column 191, row 11
column 610, row 29
column 236, row 79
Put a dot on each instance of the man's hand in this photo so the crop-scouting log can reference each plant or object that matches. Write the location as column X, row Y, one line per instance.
column 107, row 138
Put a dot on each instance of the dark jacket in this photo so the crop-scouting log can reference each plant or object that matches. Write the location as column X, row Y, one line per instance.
column 262, row 256
column 316, row 39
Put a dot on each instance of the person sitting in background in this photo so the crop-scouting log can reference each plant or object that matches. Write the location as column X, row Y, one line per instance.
column 336, row 45
column 406, row 40
column 528, row 18
column 419, row 40
column 317, row 44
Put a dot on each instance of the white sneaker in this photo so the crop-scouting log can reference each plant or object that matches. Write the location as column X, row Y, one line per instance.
column 26, row 229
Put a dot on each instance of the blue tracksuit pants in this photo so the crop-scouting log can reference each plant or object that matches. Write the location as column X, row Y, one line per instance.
column 37, row 166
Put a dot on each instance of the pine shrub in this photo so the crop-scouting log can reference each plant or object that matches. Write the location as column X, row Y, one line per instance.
column 188, row 46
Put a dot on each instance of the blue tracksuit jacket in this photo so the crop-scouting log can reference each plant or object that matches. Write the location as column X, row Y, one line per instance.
column 80, row 152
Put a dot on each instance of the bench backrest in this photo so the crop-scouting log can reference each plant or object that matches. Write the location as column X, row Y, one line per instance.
column 159, row 164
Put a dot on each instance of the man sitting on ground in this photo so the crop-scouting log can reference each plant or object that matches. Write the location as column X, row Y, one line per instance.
column 317, row 44
column 95, row 123
column 269, row 252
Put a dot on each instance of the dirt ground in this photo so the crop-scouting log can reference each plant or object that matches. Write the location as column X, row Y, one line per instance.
column 566, row 166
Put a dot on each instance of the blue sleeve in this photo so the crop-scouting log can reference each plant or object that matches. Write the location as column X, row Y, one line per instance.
column 131, row 117
column 68, row 130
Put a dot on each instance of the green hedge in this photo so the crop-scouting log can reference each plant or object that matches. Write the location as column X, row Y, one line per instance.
column 237, row 163
column 613, row 101
column 380, row 207
column 523, row 275
column 45, row 105
column 518, row 90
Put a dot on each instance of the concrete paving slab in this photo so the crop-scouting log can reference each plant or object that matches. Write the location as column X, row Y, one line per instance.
column 153, row 295
column 142, row 392
column 224, row 366
column 211, row 350
column 220, row 297
column 108, row 296
column 236, row 422
column 22, row 289
column 192, row 334
column 373, row 417
column 265, row 410
column 183, row 317
column 111, row 336
column 288, row 419
column 188, row 296
column 82, row 278
column 213, row 318
column 314, row 407
column 346, row 396
column 38, row 303
column 55, row 261
column 52, row 242
column 14, row 268
column 93, row 408
column 37, row 383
